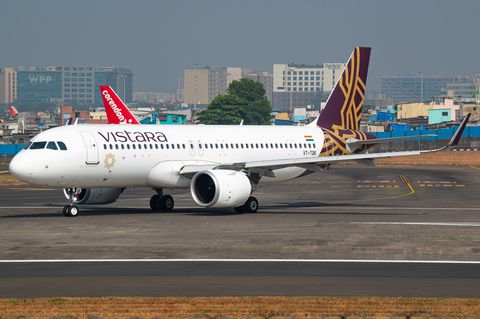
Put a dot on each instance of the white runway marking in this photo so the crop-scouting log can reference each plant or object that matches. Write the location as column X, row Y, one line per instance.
column 391, row 208
column 463, row 224
column 33, row 207
column 246, row 260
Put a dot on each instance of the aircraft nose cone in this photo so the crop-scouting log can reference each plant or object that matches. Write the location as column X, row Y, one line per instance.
column 21, row 167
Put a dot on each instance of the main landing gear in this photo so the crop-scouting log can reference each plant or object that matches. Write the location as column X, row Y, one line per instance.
column 251, row 206
column 161, row 202
column 72, row 209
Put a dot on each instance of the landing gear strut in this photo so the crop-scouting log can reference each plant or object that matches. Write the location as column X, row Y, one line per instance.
column 161, row 202
column 72, row 209
column 251, row 206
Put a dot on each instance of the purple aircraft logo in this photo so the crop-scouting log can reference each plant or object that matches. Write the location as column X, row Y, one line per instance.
column 126, row 136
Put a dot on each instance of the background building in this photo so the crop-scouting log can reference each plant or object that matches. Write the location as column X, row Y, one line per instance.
column 209, row 82
column 462, row 90
column 66, row 84
column 120, row 79
column 153, row 97
column 299, row 85
column 212, row 82
column 416, row 88
column 256, row 75
column 8, row 85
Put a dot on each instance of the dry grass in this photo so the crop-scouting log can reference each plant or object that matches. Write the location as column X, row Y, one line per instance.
column 238, row 307
column 9, row 180
column 464, row 158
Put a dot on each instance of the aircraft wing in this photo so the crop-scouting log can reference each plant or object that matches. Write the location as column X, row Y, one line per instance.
column 312, row 163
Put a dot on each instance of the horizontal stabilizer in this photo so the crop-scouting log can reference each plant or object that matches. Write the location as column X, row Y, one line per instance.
column 353, row 143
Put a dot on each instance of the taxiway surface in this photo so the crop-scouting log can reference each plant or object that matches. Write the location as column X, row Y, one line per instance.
column 351, row 212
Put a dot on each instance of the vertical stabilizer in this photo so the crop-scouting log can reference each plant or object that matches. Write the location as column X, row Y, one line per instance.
column 13, row 110
column 117, row 111
column 343, row 109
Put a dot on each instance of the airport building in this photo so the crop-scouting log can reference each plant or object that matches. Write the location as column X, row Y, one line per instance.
column 418, row 88
column 299, row 85
column 63, row 85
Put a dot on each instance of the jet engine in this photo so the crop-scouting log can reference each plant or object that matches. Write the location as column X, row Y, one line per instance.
column 95, row 196
column 220, row 188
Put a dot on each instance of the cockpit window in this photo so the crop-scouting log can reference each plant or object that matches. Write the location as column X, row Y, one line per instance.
column 62, row 146
column 52, row 146
column 27, row 146
column 38, row 146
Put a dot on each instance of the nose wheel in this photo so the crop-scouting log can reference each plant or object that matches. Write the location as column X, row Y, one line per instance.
column 72, row 209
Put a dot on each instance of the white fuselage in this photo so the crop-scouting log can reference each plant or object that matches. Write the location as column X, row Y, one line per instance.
column 124, row 155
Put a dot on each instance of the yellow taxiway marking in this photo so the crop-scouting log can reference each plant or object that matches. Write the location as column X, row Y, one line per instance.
column 384, row 186
column 468, row 166
column 4, row 172
column 404, row 179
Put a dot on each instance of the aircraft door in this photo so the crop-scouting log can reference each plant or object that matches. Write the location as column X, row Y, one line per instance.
column 91, row 146
column 200, row 148
column 191, row 146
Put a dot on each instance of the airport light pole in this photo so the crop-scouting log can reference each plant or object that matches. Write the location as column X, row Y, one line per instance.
column 421, row 90
column 124, row 79
column 291, row 109
column 195, row 85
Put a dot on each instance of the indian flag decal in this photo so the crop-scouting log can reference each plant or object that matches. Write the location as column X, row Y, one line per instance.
column 308, row 138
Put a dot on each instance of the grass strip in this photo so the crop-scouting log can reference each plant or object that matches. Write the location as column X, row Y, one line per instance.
column 237, row 307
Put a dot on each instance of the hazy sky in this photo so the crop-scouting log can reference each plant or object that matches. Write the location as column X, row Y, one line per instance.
column 158, row 39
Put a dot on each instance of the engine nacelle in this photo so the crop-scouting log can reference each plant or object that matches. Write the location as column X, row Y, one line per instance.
column 95, row 196
column 220, row 188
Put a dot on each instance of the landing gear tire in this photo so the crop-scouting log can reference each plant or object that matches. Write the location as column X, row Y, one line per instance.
column 167, row 203
column 70, row 211
column 239, row 209
column 155, row 203
column 251, row 206
column 73, row 211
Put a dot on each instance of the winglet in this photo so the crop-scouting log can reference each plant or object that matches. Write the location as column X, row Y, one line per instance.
column 117, row 111
column 456, row 137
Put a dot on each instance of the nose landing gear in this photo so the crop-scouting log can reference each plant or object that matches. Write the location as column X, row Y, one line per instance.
column 72, row 209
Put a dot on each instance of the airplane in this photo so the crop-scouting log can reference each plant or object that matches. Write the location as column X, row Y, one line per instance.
column 220, row 164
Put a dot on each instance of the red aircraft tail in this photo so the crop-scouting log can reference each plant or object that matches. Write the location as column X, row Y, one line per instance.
column 13, row 111
column 117, row 111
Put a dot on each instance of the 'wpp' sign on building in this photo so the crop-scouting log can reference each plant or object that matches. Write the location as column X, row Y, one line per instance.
column 40, row 86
